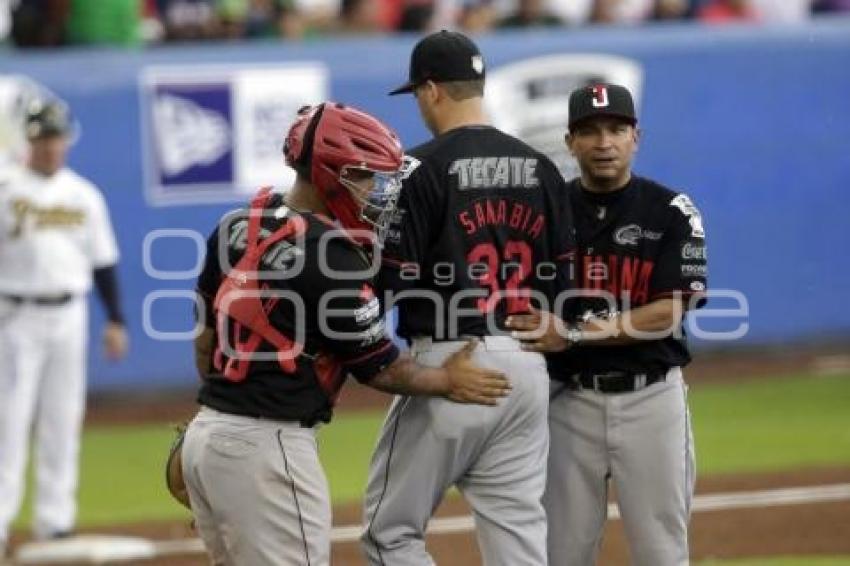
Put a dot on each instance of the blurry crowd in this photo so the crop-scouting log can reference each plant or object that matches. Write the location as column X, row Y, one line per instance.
column 34, row 23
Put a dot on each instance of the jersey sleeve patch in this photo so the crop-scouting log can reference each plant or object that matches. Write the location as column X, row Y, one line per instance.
column 409, row 164
column 687, row 207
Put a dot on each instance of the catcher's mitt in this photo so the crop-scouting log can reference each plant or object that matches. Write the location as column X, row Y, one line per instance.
column 174, row 469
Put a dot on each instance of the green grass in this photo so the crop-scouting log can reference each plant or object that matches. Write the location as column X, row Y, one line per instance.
column 765, row 425
column 781, row 561
column 345, row 447
column 122, row 477
column 772, row 424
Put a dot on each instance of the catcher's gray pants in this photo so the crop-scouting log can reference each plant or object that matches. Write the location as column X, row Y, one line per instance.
column 642, row 441
column 496, row 456
column 258, row 491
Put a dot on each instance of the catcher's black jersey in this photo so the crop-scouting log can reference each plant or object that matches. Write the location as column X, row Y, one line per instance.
column 482, row 223
column 325, row 303
column 639, row 244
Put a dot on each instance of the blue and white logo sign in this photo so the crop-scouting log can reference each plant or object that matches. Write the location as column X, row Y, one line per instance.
column 530, row 98
column 191, row 128
column 214, row 134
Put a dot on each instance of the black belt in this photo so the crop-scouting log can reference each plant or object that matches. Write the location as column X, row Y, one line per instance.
column 42, row 300
column 304, row 422
column 613, row 381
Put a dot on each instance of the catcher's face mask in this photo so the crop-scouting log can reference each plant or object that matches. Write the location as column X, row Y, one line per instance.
column 376, row 194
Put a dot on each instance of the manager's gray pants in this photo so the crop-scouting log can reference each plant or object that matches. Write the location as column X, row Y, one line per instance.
column 258, row 491
column 642, row 441
column 496, row 456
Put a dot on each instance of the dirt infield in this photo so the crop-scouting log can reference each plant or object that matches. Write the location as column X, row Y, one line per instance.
column 799, row 529
column 802, row 529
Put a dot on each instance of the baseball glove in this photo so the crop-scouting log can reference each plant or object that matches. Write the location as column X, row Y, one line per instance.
column 174, row 469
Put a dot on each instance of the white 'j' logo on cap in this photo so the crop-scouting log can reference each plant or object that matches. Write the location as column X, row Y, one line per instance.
column 600, row 96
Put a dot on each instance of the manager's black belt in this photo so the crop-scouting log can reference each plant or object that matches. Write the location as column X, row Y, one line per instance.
column 42, row 300
column 613, row 381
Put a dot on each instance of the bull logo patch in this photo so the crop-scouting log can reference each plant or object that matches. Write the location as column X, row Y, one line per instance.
column 628, row 235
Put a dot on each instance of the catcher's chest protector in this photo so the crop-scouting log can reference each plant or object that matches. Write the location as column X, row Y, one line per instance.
column 239, row 298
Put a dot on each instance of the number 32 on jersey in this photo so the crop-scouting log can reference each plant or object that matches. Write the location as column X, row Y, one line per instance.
column 503, row 273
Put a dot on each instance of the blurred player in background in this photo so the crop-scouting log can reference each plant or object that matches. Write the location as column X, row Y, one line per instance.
column 55, row 239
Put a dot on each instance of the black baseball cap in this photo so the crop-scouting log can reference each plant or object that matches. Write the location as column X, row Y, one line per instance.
column 442, row 57
column 601, row 100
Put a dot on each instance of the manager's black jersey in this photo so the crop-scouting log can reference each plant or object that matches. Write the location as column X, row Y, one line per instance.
column 324, row 302
column 482, row 222
column 639, row 244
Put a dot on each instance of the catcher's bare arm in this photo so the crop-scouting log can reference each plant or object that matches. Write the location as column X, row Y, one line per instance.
column 459, row 379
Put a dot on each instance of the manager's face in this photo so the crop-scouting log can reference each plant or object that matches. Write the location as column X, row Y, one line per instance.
column 604, row 147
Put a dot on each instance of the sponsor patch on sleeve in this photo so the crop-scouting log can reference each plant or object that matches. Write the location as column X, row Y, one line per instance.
column 409, row 164
column 368, row 313
column 684, row 204
column 694, row 270
column 372, row 335
column 690, row 251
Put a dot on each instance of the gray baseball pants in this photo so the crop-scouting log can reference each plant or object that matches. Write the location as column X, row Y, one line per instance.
column 496, row 456
column 640, row 441
column 258, row 491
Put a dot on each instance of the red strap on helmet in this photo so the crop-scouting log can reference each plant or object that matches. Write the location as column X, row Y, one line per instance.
column 238, row 298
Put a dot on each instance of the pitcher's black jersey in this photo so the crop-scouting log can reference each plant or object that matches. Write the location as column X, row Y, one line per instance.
column 639, row 244
column 483, row 222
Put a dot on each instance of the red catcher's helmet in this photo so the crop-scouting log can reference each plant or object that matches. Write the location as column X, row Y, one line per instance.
column 329, row 140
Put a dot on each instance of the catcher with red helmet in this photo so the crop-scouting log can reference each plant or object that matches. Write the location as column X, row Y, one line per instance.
column 287, row 311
